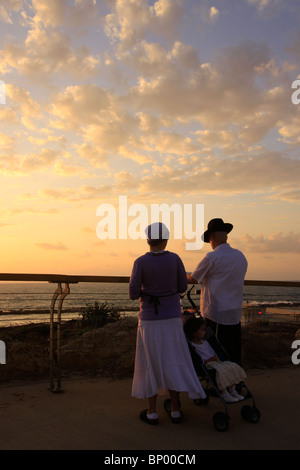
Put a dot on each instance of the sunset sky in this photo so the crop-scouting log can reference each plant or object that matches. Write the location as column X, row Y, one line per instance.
column 167, row 101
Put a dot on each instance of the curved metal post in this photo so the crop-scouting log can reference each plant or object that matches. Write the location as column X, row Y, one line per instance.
column 51, row 337
column 55, row 357
column 64, row 293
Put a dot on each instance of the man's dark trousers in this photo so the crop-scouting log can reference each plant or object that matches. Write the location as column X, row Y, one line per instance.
column 230, row 338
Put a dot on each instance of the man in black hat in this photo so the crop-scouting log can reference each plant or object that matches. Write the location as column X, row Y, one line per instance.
column 221, row 274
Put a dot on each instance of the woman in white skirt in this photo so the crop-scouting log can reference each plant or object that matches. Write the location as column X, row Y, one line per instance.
column 163, row 362
column 228, row 374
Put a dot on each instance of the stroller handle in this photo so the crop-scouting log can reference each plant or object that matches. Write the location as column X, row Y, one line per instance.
column 188, row 294
column 187, row 312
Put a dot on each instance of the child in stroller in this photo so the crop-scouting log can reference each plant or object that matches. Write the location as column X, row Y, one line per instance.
column 228, row 374
column 199, row 336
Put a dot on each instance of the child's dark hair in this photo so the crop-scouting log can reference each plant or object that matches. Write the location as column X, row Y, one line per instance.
column 192, row 325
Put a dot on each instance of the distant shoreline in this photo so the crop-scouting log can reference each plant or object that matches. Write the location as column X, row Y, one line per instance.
column 251, row 314
column 278, row 307
column 47, row 311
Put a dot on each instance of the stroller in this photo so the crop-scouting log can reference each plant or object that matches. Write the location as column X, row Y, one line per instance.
column 220, row 419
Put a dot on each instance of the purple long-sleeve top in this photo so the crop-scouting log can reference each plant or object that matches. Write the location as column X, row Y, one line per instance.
column 157, row 279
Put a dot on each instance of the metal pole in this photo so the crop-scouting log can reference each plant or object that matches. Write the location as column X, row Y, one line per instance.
column 65, row 292
column 51, row 338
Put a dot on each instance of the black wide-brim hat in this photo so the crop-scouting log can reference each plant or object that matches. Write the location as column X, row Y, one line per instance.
column 216, row 225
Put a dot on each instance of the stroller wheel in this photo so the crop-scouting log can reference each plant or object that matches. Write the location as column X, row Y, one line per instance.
column 201, row 401
column 250, row 413
column 221, row 421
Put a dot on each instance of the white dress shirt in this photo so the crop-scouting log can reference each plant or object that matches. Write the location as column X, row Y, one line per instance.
column 221, row 274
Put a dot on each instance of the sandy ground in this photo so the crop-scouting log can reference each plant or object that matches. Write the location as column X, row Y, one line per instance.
column 99, row 413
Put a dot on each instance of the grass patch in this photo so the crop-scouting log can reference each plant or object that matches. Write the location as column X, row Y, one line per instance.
column 97, row 315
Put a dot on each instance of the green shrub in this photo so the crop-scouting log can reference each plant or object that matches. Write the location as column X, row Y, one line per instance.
column 97, row 315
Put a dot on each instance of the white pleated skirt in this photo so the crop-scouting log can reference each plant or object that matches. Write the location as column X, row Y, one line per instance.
column 163, row 361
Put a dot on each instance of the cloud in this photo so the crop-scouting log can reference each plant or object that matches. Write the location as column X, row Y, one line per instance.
column 13, row 163
column 47, row 158
column 6, row 142
column 122, row 181
column 289, row 129
column 95, row 155
column 5, row 225
column 222, row 98
column 82, row 193
column 294, row 46
column 61, row 193
column 262, row 5
column 289, row 196
column 167, row 16
column 146, row 58
column 152, row 59
column 214, row 13
column 84, row 254
column 51, row 246
column 261, row 172
column 45, row 54
column 216, row 93
column 275, row 243
column 7, row 6
column 88, row 230
column 38, row 162
column 79, row 105
column 130, row 20
column 8, row 116
column 74, row 13
column 49, row 13
column 23, row 106
column 21, row 210
column 137, row 157
column 239, row 97
column 197, row 126
column 109, row 135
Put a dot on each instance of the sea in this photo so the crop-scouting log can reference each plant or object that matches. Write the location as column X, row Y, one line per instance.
column 29, row 302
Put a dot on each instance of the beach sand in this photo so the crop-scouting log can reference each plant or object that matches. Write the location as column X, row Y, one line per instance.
column 99, row 413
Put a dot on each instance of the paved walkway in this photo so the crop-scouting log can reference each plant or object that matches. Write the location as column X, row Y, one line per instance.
column 100, row 414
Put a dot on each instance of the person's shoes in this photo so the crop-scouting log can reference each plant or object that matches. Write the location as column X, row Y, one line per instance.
column 235, row 394
column 176, row 416
column 144, row 417
column 228, row 397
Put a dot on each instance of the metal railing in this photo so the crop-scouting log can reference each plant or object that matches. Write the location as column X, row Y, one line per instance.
column 61, row 293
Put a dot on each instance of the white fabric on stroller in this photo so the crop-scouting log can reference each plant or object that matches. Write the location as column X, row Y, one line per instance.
column 227, row 373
